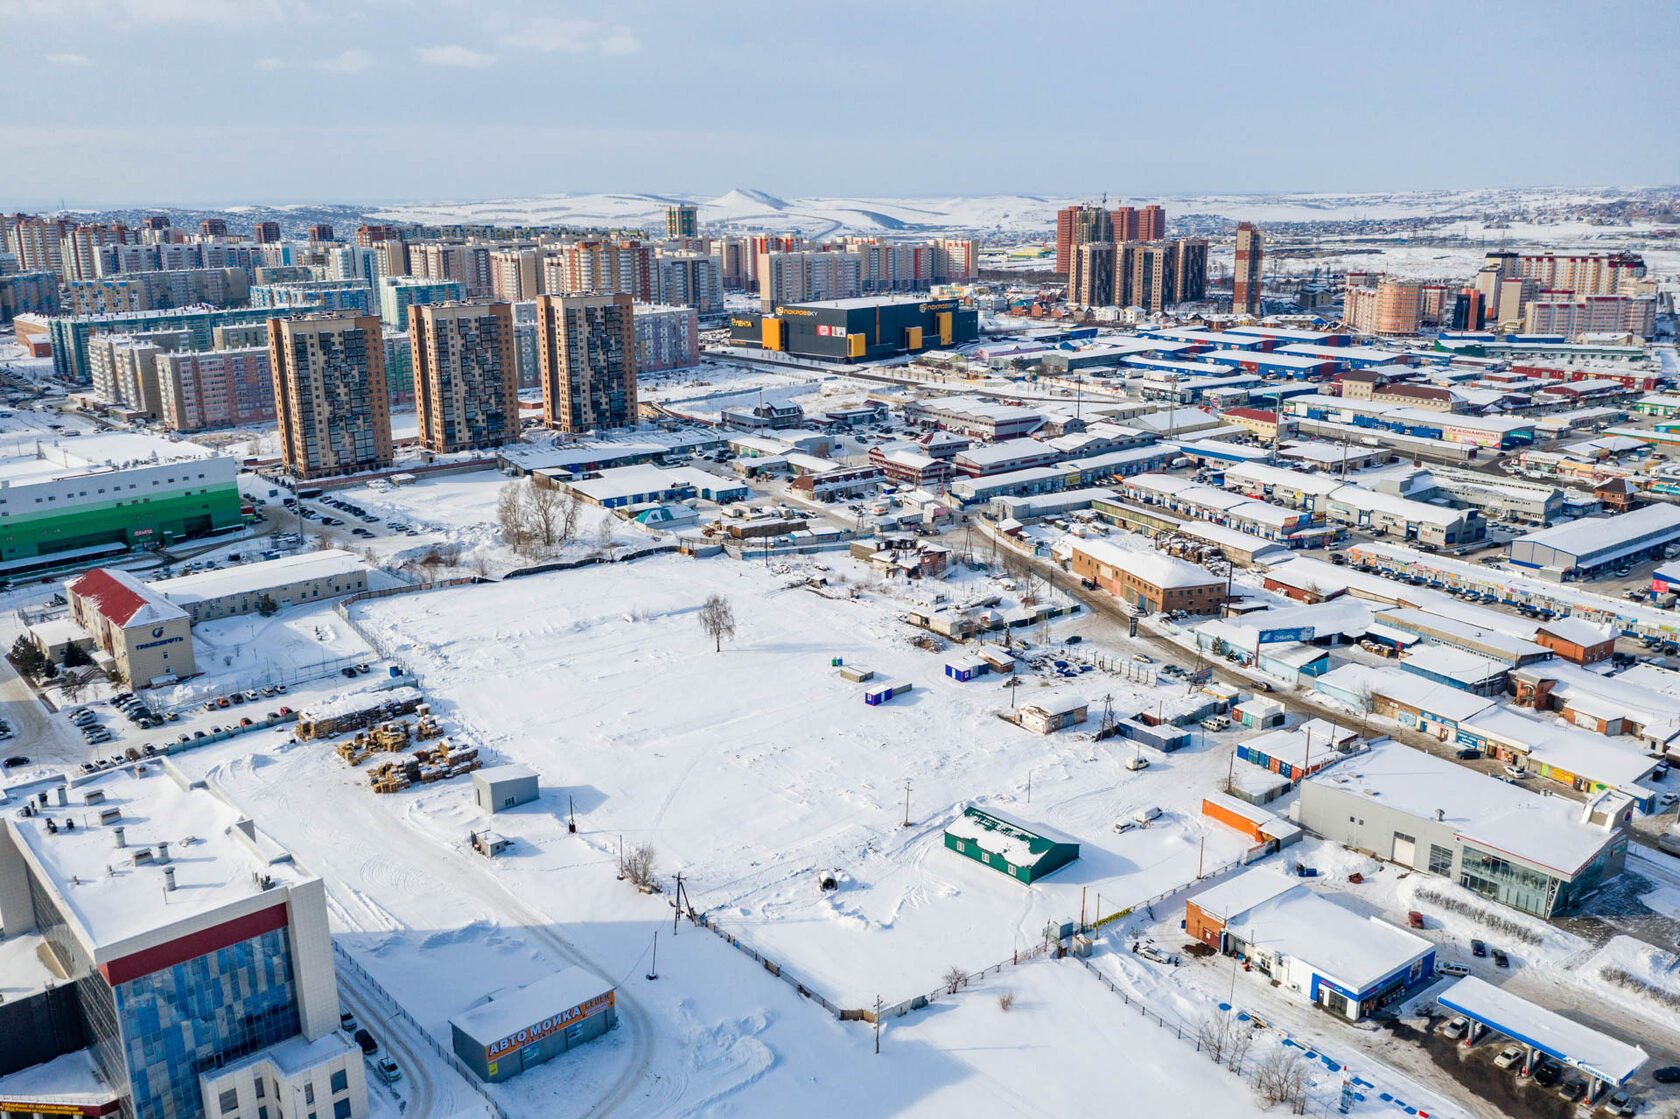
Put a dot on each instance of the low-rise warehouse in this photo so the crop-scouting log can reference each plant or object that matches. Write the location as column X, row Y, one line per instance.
column 1007, row 847
column 1349, row 964
column 288, row 581
column 1582, row 548
column 1147, row 580
column 1537, row 854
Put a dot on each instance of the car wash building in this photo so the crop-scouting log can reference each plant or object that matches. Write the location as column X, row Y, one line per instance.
column 513, row 1030
column 848, row 330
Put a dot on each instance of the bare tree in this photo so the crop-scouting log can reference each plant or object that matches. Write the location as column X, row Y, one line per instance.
column 604, row 537
column 954, row 978
column 717, row 618
column 510, row 515
column 322, row 541
column 1283, row 1079
column 541, row 506
column 570, row 508
column 73, row 683
column 1213, row 1034
column 1006, row 1001
column 430, row 562
column 1236, row 1048
column 639, row 864
column 481, row 564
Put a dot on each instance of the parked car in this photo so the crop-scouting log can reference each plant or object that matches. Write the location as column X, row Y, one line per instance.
column 1469, row 753
column 1216, row 723
column 1150, row 952
column 1457, row 971
column 15, row 761
column 1573, row 1089
column 1668, row 1074
column 387, row 1070
column 1509, row 1056
column 1478, row 948
column 1619, row 1103
column 1121, row 827
column 1414, row 918
column 1455, row 1029
column 1547, row 1073
column 1500, row 958
column 346, row 1021
column 365, row 1040
column 1137, row 762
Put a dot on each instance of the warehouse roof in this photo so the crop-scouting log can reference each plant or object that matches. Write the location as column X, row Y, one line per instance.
column 1153, row 568
column 510, row 1010
column 260, row 576
column 1577, row 631
column 1016, row 844
column 1279, row 360
column 1546, row 831
column 1599, row 534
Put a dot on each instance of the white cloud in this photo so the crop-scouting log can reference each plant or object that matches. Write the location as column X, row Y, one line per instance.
column 271, row 64
column 69, row 60
column 576, row 36
column 454, row 55
column 352, row 61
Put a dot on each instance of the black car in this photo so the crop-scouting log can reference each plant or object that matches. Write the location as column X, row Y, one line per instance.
column 1547, row 1074
column 365, row 1040
column 13, row 762
column 1500, row 958
column 348, row 671
column 1573, row 1090
column 1669, row 1074
column 1477, row 948
column 1469, row 753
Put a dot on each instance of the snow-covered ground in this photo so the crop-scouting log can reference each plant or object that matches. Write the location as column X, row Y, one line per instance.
column 752, row 768
column 235, row 654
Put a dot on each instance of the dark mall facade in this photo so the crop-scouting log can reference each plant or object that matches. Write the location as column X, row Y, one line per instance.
column 851, row 330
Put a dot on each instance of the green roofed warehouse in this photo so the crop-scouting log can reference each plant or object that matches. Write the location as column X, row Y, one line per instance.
column 1007, row 847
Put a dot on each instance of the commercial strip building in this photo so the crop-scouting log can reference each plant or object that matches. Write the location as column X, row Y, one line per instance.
column 289, row 581
column 330, row 394
column 1351, row 965
column 202, row 975
column 1536, row 854
column 148, row 637
column 1582, row 548
column 627, row 487
column 858, row 329
column 517, row 1029
column 1150, row 581
column 1464, row 632
column 974, row 416
column 103, row 494
column 1584, row 760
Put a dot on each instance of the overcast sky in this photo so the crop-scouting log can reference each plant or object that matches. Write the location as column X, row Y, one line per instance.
column 229, row 101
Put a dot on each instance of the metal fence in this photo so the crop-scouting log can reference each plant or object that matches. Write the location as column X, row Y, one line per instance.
column 393, row 1009
column 589, row 561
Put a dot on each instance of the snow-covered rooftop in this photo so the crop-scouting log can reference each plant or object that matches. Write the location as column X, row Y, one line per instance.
column 259, row 576
column 509, row 1011
column 1158, row 570
column 1569, row 1041
column 1546, row 831
column 110, row 897
column 1593, row 535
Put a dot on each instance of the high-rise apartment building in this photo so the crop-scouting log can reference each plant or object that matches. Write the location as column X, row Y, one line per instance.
column 38, row 244
column 1572, row 315
column 1091, row 275
column 1152, row 275
column 735, row 261
column 1125, row 222
column 803, row 277
column 1245, row 291
column 667, row 337
column 691, row 280
column 267, row 233
column 587, row 353
column 397, row 294
column 368, row 236
column 28, row 293
column 1377, row 304
column 157, row 223
column 516, row 274
column 156, row 291
column 212, row 227
column 682, row 220
column 317, row 295
column 1078, row 225
column 200, row 389
column 1151, row 224
column 1579, row 273
column 320, row 232
column 466, row 389
column 329, row 394
column 1467, row 310
column 602, row 266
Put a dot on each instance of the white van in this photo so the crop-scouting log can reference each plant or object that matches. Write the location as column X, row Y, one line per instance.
column 1145, row 815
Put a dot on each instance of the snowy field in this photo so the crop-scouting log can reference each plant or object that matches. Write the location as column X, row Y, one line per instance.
column 603, row 681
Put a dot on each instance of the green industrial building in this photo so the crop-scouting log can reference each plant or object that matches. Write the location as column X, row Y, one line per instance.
column 101, row 495
column 1007, row 847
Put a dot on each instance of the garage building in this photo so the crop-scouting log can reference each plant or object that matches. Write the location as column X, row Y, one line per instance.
column 1583, row 548
column 288, row 581
column 519, row 1028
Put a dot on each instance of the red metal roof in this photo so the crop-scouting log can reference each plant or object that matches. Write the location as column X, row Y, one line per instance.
column 117, row 597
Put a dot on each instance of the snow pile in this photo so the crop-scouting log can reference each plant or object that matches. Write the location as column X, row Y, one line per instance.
column 1636, row 976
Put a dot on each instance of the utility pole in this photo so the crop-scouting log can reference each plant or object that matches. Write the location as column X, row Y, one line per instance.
column 1201, row 853
column 653, row 968
column 676, row 905
column 877, row 1024
column 907, row 802
column 1029, row 786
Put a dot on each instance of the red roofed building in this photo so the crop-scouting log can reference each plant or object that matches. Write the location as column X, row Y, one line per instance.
column 149, row 637
column 1261, row 421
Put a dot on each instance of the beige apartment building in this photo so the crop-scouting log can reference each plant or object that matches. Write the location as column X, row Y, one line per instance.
column 586, row 352
column 466, row 386
column 330, row 396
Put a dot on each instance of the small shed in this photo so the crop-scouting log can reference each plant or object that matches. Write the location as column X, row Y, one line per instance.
column 998, row 658
column 967, row 668
column 503, row 786
column 1052, row 714
column 1260, row 712
column 1007, row 847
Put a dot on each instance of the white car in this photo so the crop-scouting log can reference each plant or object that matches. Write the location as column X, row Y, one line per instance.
column 1509, row 1056
column 1138, row 761
column 1457, row 971
column 1455, row 1029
